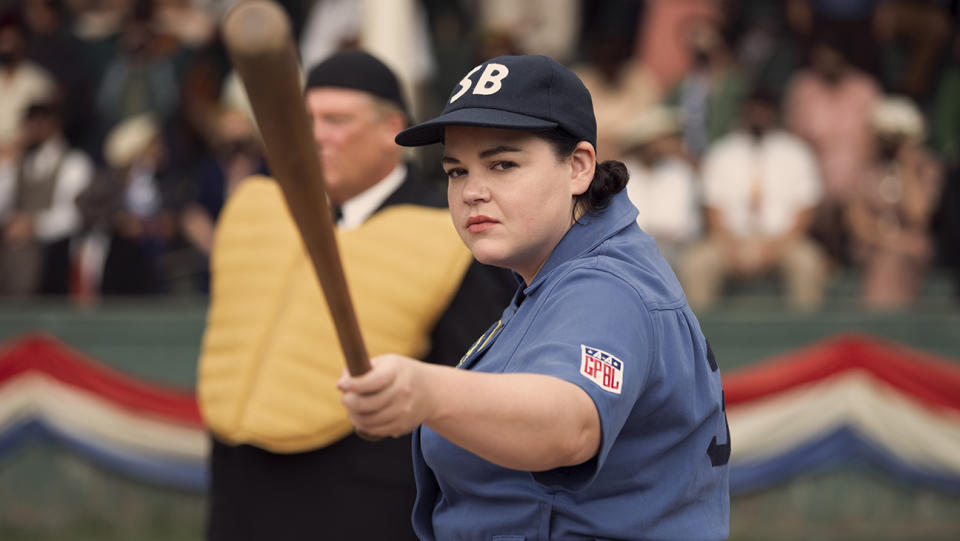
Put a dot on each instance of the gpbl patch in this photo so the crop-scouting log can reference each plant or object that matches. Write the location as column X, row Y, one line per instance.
column 602, row 368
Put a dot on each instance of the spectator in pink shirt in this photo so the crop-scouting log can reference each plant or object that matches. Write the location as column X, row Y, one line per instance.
column 828, row 104
column 891, row 209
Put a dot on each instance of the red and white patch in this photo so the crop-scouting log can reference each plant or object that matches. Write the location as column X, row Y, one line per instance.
column 602, row 368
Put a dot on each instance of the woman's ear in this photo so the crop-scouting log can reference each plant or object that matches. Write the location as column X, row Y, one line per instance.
column 583, row 164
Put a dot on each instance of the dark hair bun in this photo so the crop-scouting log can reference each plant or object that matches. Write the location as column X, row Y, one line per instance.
column 610, row 177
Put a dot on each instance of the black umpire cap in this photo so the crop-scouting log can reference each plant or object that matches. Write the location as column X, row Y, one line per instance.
column 358, row 70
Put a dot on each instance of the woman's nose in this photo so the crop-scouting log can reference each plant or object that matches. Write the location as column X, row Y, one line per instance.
column 475, row 190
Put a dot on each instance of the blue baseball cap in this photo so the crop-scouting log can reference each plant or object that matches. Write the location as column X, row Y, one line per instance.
column 528, row 92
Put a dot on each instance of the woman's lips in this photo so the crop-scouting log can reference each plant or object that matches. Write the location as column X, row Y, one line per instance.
column 479, row 224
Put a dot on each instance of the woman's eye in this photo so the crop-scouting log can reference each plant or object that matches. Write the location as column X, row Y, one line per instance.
column 503, row 166
column 454, row 173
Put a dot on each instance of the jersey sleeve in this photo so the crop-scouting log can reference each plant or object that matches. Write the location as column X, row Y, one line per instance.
column 593, row 331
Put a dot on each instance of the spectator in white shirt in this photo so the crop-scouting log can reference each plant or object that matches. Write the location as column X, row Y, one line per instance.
column 38, row 212
column 761, row 186
column 662, row 185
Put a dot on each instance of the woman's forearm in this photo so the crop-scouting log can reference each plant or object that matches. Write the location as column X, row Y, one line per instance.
column 522, row 421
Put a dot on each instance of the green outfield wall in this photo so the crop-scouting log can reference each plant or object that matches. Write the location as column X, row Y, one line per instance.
column 47, row 492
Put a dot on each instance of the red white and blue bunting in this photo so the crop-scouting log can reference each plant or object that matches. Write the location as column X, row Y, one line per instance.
column 140, row 429
column 849, row 400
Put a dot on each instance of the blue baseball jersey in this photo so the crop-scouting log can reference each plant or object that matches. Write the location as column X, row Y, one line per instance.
column 606, row 313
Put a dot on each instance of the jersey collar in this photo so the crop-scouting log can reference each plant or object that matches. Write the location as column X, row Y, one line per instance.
column 586, row 235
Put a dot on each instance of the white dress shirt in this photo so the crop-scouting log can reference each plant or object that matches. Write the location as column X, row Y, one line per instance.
column 62, row 218
column 357, row 210
column 779, row 169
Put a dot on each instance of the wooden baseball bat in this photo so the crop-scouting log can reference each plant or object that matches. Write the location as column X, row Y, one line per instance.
column 258, row 39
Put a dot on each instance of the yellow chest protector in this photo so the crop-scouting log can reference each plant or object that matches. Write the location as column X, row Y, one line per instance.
column 270, row 358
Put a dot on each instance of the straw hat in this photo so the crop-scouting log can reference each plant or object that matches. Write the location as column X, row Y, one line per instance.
column 651, row 124
column 129, row 139
column 897, row 115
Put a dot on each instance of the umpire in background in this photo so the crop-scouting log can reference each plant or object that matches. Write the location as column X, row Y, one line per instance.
column 285, row 463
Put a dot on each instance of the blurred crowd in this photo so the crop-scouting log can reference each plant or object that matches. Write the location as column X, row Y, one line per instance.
column 792, row 140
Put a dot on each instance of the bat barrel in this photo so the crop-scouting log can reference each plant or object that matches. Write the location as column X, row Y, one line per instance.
column 256, row 29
